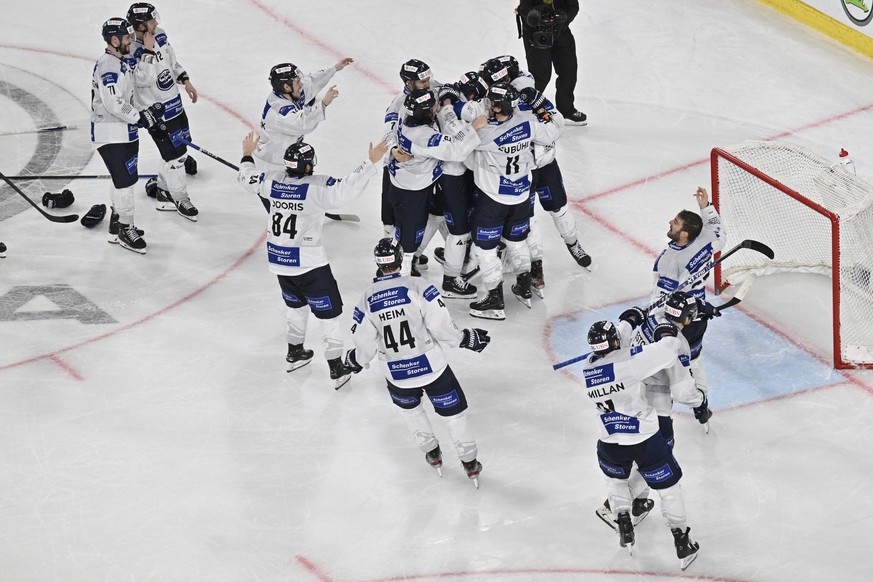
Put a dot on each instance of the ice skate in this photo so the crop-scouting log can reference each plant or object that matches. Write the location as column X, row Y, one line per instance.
column 434, row 458
column 113, row 228
column 151, row 188
column 625, row 531
column 130, row 238
column 491, row 306
column 422, row 262
column 640, row 509
column 537, row 283
column 521, row 289
column 439, row 255
column 163, row 200
column 686, row 550
column 186, row 209
column 339, row 373
column 473, row 468
column 457, row 288
column 297, row 356
column 579, row 254
column 415, row 272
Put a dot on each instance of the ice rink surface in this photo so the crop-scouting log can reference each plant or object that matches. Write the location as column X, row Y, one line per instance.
column 149, row 431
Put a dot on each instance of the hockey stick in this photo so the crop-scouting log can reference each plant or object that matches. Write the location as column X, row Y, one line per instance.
column 79, row 177
column 345, row 217
column 698, row 276
column 45, row 129
column 51, row 217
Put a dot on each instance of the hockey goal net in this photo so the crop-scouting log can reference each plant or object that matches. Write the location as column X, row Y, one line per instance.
column 817, row 217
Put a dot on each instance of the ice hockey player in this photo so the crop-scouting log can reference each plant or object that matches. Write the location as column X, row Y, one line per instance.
column 636, row 329
column 413, row 181
column 114, row 123
column 502, row 166
column 404, row 322
column 547, row 182
column 291, row 110
column 157, row 74
column 629, row 432
column 694, row 239
column 297, row 201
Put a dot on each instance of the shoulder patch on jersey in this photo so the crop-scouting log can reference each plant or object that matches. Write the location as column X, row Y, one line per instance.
column 434, row 140
column 358, row 315
column 390, row 117
column 700, row 259
column 286, row 109
column 109, row 78
column 161, row 39
column 684, row 360
column 635, row 350
column 330, row 181
column 431, row 293
column 138, row 53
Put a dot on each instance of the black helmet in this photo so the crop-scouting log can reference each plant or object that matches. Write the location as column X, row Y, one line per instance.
column 603, row 337
column 414, row 70
column 495, row 71
column 281, row 74
column 297, row 156
column 504, row 96
column 141, row 12
column 471, row 86
column 116, row 27
column 388, row 255
column 511, row 64
column 680, row 307
column 419, row 107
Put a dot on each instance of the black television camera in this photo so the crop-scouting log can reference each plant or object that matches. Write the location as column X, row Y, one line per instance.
column 544, row 23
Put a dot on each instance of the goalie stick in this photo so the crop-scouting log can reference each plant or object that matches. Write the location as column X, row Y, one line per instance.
column 51, row 217
column 344, row 217
column 696, row 277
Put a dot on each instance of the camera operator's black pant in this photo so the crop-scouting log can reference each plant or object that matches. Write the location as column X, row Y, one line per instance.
column 563, row 56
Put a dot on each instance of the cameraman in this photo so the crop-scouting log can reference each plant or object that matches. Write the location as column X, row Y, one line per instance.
column 544, row 26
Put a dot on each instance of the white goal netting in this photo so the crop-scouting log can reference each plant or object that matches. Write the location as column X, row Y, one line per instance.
column 815, row 216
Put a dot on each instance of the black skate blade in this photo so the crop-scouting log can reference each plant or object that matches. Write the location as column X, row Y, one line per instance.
column 686, row 561
column 606, row 518
column 498, row 314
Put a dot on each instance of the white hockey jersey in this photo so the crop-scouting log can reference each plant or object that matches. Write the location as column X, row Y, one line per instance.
column 284, row 121
column 404, row 321
column 544, row 154
column 429, row 148
column 614, row 383
column 676, row 264
column 502, row 163
column 113, row 115
column 645, row 334
column 156, row 79
column 297, row 206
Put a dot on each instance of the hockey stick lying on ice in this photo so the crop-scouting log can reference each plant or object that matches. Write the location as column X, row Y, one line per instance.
column 345, row 217
column 79, row 177
column 696, row 277
column 45, row 129
column 51, row 217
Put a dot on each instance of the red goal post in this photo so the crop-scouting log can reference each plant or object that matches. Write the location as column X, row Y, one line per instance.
column 817, row 217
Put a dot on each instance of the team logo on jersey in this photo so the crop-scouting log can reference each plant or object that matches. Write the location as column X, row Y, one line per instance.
column 599, row 375
column 388, row 298
column 516, row 134
column 165, row 80
column 614, row 423
column 699, row 260
column 431, row 293
column 667, row 284
column 285, row 256
column 358, row 315
column 411, row 368
column 160, row 39
column 108, row 78
column 518, row 187
column 435, row 140
column 857, row 11
column 131, row 164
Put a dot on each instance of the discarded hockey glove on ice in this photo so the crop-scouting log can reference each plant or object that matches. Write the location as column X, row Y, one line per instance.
column 61, row 200
column 94, row 216
column 475, row 339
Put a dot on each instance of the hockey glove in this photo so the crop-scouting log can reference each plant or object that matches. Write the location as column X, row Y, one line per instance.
column 151, row 115
column 532, row 97
column 702, row 413
column 707, row 310
column 61, row 200
column 190, row 166
column 351, row 364
column 94, row 216
column 634, row 316
column 475, row 339
column 665, row 330
column 449, row 92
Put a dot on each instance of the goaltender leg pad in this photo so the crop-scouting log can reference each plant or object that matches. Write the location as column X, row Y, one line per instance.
column 446, row 394
column 94, row 216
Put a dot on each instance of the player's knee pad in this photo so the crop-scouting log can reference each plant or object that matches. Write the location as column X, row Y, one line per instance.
column 519, row 255
column 565, row 223
column 673, row 506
